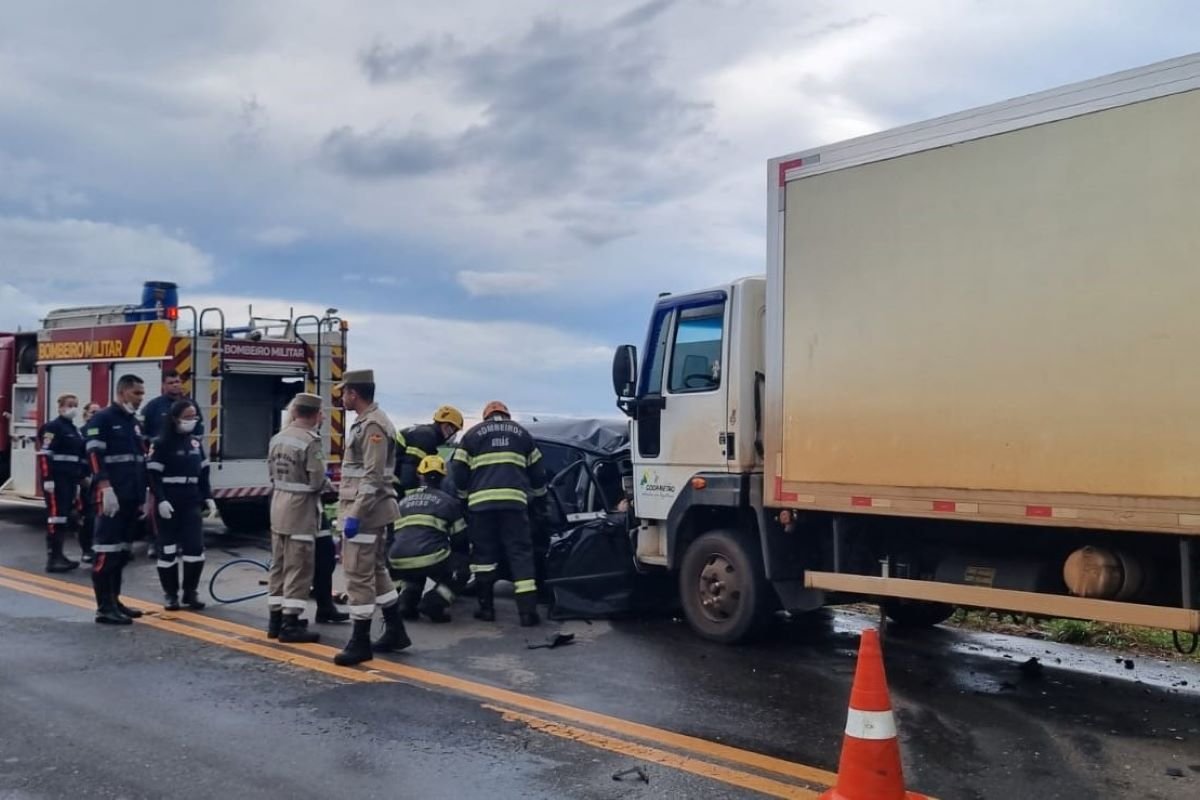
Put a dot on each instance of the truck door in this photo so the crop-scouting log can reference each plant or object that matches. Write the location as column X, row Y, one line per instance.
column 682, row 400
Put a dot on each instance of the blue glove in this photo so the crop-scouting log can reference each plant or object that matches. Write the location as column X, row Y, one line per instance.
column 350, row 527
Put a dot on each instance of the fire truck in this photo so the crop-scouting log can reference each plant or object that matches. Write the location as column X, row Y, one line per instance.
column 241, row 377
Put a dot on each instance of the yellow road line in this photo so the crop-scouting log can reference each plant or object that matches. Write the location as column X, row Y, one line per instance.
column 705, row 769
column 505, row 697
column 271, row 653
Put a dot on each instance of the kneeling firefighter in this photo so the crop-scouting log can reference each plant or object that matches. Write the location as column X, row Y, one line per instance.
column 429, row 520
column 177, row 469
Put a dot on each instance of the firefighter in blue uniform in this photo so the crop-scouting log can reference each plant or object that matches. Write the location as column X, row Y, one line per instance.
column 116, row 452
column 155, row 412
column 420, row 441
column 498, row 471
column 429, row 520
column 178, row 472
column 62, row 467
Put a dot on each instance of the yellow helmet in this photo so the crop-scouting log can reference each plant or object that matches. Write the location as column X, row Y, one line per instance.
column 431, row 464
column 451, row 415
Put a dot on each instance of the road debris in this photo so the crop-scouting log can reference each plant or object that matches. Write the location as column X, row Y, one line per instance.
column 633, row 773
column 554, row 640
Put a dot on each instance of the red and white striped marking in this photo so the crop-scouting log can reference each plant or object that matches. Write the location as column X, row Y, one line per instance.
column 241, row 491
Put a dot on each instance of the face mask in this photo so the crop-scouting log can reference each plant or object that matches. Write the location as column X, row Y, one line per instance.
column 185, row 425
column 129, row 408
column 70, row 413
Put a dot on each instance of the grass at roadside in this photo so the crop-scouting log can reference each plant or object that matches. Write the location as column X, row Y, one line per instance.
column 1128, row 639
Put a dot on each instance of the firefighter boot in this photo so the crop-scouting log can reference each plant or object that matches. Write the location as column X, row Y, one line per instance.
column 294, row 630
column 358, row 649
column 191, row 580
column 274, row 623
column 106, row 610
column 527, row 609
column 485, row 593
column 434, row 604
column 394, row 638
column 55, row 560
column 169, row 578
column 122, row 560
column 410, row 601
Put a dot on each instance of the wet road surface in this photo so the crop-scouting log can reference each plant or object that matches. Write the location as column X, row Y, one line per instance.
column 194, row 707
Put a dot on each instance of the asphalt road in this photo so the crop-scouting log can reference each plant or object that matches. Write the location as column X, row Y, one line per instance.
column 202, row 705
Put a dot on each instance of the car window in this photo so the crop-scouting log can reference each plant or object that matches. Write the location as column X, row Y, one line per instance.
column 696, row 353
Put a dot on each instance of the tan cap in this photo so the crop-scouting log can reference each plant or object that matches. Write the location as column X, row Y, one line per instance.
column 358, row 376
column 307, row 401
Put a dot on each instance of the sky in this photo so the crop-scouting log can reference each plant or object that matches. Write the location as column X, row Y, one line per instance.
column 492, row 193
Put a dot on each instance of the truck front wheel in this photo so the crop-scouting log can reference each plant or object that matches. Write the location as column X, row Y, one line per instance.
column 722, row 587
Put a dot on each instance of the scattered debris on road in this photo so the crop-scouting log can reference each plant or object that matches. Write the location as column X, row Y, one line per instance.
column 633, row 773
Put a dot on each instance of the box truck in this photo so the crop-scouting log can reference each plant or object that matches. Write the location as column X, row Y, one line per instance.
column 970, row 376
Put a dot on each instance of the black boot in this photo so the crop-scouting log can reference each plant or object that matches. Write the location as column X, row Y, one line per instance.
column 410, row 602
column 169, row 578
column 527, row 609
column 358, row 649
column 485, row 593
column 122, row 560
column 106, row 611
column 435, row 606
column 295, row 631
column 55, row 560
column 191, row 580
column 274, row 623
column 394, row 638
column 328, row 613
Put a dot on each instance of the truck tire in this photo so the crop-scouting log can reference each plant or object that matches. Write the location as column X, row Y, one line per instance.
column 246, row 517
column 723, row 588
column 917, row 613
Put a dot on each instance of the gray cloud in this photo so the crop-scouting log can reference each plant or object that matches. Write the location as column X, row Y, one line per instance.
column 384, row 62
column 380, row 154
column 642, row 14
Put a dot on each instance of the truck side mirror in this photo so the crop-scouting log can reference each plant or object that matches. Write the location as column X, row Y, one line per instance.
column 624, row 375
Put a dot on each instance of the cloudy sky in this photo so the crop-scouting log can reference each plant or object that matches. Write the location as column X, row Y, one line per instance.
column 493, row 193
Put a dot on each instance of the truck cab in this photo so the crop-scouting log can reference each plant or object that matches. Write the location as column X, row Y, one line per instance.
column 694, row 398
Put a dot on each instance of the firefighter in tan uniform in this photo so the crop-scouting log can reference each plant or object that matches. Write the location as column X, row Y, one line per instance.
column 366, row 507
column 297, row 464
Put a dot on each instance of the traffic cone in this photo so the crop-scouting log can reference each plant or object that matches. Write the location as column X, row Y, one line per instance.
column 870, row 765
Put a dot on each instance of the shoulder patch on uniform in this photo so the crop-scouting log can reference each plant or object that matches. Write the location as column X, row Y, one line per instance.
column 47, row 438
column 93, row 431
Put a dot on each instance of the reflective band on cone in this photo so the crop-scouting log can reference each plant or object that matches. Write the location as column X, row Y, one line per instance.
column 871, row 724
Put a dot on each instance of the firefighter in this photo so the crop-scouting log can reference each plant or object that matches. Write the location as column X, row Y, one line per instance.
column 115, row 449
column 366, row 507
column 429, row 520
column 325, row 561
column 297, row 464
column 154, row 415
column 497, row 470
column 88, row 526
column 416, row 443
column 63, row 467
column 178, row 471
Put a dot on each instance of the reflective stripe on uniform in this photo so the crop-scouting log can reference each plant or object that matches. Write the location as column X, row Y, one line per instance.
column 363, row 538
column 484, row 567
column 539, row 492
column 387, row 598
column 525, row 586
column 48, row 486
column 534, row 457
column 459, row 526
column 170, row 549
column 445, row 591
column 420, row 562
column 95, row 444
column 57, row 520
column 162, row 564
column 193, row 559
column 362, row 612
column 324, row 533
column 180, row 479
column 66, row 458
column 291, row 602
column 156, row 466
column 497, row 496
column 495, row 459
column 124, row 458
column 427, row 520
column 107, row 548
column 353, row 472
column 301, row 537
column 299, row 488
column 461, row 455
column 274, row 600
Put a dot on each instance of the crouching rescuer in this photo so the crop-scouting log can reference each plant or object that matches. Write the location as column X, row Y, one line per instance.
column 178, row 472
column 296, row 461
column 366, row 507
column 498, row 471
column 428, row 519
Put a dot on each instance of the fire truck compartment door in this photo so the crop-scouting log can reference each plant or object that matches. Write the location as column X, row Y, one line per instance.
column 149, row 371
column 73, row 379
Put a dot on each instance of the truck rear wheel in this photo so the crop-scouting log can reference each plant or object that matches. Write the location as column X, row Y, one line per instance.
column 917, row 613
column 245, row 517
column 722, row 587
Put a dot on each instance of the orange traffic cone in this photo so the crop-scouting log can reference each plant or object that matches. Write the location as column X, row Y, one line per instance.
column 870, row 766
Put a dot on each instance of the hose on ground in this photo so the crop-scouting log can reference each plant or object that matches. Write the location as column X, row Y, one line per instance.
column 212, row 581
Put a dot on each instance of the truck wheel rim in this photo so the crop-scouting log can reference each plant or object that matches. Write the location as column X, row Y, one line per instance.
column 720, row 589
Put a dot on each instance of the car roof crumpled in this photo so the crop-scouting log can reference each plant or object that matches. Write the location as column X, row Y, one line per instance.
column 597, row 436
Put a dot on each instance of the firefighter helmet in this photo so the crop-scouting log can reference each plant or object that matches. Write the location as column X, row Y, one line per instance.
column 495, row 407
column 435, row 464
column 450, row 415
